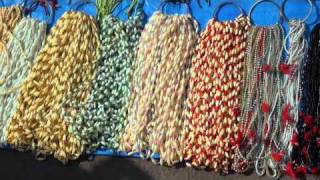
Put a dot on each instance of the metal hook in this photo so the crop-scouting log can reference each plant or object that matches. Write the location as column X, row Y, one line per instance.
column 270, row 1
column 47, row 5
column 218, row 8
column 305, row 18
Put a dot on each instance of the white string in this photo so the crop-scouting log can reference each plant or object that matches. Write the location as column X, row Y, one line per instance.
column 291, row 84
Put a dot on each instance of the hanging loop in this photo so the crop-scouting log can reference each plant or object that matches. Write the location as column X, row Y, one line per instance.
column 220, row 6
column 271, row 169
column 295, row 25
column 307, row 15
column 164, row 3
column 270, row 1
column 42, row 3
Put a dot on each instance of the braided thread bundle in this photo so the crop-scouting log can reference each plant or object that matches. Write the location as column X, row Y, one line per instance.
column 214, row 100
column 260, row 110
column 27, row 40
column 291, row 70
column 101, row 121
column 306, row 147
column 159, row 87
column 66, row 62
column 9, row 18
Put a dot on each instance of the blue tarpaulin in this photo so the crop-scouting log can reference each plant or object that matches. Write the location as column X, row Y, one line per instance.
column 264, row 14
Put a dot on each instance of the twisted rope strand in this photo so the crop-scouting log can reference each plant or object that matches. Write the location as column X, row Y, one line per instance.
column 214, row 100
column 66, row 62
column 101, row 120
column 159, row 88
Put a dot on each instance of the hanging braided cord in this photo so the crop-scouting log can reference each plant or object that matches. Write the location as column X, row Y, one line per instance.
column 291, row 70
column 260, row 110
column 214, row 100
column 9, row 17
column 101, row 120
column 27, row 39
column 159, row 88
column 270, row 104
column 66, row 62
column 306, row 148
column 145, row 70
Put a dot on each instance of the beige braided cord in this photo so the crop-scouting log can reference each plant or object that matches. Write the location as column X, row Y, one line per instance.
column 166, row 133
column 9, row 18
column 134, row 137
column 159, row 88
column 66, row 63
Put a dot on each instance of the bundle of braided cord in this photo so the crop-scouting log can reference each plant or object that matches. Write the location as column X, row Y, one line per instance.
column 305, row 155
column 260, row 109
column 16, row 60
column 101, row 121
column 291, row 93
column 159, row 88
column 214, row 99
column 66, row 62
column 9, row 18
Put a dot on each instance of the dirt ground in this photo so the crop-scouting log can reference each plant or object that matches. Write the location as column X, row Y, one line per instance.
column 17, row 165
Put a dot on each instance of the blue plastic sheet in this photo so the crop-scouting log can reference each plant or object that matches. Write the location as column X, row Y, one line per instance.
column 264, row 14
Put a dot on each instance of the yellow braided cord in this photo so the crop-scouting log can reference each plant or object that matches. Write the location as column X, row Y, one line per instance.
column 9, row 18
column 66, row 63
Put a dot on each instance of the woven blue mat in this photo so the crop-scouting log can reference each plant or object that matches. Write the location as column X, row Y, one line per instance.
column 264, row 14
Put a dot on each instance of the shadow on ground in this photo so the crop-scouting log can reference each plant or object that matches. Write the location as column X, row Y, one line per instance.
column 17, row 165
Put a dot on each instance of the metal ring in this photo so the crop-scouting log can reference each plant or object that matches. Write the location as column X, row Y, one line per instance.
column 306, row 17
column 218, row 8
column 270, row 1
column 51, row 12
column 163, row 4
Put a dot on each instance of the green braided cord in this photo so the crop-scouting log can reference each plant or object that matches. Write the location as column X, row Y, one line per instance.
column 101, row 121
column 27, row 39
column 106, row 7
